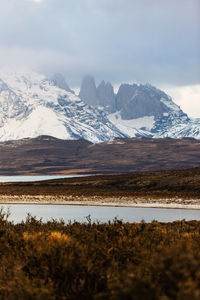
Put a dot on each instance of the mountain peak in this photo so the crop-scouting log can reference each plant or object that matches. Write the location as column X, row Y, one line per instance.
column 88, row 91
column 59, row 81
column 106, row 96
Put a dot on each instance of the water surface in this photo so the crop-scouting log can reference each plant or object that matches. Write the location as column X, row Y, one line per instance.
column 34, row 178
column 103, row 214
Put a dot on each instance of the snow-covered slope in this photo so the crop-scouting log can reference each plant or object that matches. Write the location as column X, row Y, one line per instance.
column 31, row 105
column 135, row 127
column 165, row 120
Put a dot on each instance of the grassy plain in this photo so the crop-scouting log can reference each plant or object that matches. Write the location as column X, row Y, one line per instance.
column 174, row 187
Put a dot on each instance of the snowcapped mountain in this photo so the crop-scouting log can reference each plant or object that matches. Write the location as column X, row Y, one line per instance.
column 31, row 105
column 150, row 112
column 141, row 110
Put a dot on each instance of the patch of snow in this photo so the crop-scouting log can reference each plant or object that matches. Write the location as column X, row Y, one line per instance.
column 115, row 141
column 170, row 104
column 42, row 121
column 132, row 127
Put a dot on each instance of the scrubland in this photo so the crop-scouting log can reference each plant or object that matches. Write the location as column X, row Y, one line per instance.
column 116, row 260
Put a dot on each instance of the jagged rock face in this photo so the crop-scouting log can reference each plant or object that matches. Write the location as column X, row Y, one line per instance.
column 59, row 81
column 125, row 94
column 144, row 110
column 88, row 91
column 106, row 96
column 138, row 101
column 102, row 96
column 142, row 105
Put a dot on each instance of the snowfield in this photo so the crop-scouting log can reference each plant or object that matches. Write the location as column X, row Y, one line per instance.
column 134, row 127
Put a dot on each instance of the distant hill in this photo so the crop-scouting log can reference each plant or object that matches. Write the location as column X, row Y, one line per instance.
column 49, row 155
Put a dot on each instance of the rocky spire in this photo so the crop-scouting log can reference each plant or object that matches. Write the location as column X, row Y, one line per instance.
column 88, row 91
column 106, row 96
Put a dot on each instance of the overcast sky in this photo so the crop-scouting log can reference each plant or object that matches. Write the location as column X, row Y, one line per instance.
column 154, row 41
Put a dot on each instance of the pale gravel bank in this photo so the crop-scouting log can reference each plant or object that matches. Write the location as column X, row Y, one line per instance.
column 99, row 201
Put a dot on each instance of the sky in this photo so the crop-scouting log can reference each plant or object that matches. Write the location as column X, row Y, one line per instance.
column 155, row 41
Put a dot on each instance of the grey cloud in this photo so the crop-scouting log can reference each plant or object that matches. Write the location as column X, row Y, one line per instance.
column 118, row 40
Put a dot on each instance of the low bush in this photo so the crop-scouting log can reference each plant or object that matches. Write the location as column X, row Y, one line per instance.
column 54, row 260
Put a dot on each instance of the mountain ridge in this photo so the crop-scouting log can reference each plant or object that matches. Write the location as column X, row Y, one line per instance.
column 139, row 104
column 32, row 105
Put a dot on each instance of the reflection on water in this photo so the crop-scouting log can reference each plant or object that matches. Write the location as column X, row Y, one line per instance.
column 103, row 214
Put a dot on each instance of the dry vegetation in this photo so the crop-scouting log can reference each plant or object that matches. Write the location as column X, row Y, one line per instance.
column 99, row 261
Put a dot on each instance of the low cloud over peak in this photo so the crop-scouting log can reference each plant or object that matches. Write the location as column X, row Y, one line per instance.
column 145, row 41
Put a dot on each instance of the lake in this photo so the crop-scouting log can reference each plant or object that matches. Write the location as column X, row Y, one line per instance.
column 34, row 178
column 103, row 214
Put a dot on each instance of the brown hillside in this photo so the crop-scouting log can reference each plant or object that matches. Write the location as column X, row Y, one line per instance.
column 48, row 155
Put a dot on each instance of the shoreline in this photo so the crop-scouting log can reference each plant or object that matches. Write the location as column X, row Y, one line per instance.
column 192, row 204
